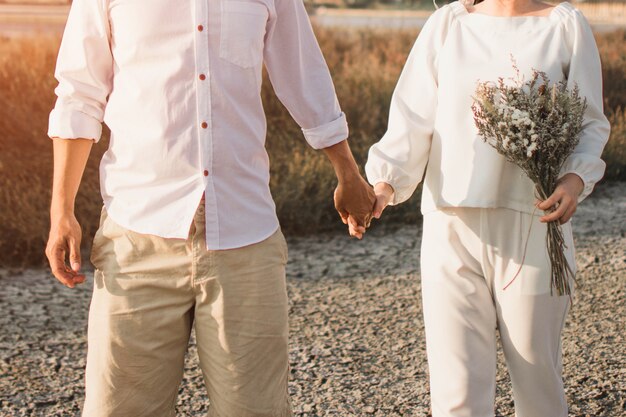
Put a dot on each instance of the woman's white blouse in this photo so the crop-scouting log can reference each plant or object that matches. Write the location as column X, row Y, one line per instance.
column 431, row 126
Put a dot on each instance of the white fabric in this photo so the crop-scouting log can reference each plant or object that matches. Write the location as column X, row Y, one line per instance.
column 431, row 122
column 468, row 257
column 156, row 72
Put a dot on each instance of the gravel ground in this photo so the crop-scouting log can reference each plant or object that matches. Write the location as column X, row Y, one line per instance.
column 357, row 337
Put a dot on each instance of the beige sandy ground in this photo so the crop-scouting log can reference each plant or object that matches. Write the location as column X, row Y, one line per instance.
column 357, row 340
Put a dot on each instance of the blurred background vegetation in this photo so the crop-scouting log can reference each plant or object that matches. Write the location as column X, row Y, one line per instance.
column 365, row 65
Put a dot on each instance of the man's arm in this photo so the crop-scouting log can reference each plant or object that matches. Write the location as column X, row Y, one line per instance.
column 354, row 198
column 70, row 158
column 85, row 72
column 302, row 82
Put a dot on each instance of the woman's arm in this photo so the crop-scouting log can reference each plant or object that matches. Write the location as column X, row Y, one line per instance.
column 584, row 167
column 399, row 158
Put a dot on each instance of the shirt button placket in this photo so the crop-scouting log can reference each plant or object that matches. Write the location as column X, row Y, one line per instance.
column 203, row 90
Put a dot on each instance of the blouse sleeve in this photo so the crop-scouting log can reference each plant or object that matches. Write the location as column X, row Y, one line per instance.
column 400, row 157
column 84, row 70
column 585, row 71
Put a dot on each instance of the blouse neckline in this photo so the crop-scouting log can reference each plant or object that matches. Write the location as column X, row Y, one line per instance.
column 553, row 13
column 489, row 24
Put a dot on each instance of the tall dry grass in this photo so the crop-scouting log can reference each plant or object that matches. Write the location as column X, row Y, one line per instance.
column 613, row 54
column 365, row 67
column 611, row 11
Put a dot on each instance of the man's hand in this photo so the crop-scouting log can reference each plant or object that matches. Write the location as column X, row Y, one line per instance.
column 383, row 194
column 563, row 200
column 63, row 241
column 354, row 200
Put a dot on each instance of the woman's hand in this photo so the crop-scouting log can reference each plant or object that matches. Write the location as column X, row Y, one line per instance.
column 384, row 196
column 563, row 200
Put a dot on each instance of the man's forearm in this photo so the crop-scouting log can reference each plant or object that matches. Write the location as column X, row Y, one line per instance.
column 343, row 162
column 70, row 159
column 354, row 198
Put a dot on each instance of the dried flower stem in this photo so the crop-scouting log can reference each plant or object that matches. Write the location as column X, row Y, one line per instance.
column 555, row 242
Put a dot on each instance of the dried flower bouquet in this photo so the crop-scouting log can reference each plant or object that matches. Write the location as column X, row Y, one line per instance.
column 535, row 125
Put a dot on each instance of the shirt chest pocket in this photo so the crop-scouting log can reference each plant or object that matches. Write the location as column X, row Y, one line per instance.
column 242, row 32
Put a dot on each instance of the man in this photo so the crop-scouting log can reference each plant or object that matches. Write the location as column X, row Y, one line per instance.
column 188, row 234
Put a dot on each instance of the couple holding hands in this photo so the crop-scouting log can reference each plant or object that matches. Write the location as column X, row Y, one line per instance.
column 188, row 234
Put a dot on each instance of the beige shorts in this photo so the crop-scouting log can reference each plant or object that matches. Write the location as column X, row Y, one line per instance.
column 149, row 292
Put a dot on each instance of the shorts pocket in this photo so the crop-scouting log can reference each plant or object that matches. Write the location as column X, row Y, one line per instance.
column 284, row 246
column 97, row 242
column 243, row 32
column 112, row 247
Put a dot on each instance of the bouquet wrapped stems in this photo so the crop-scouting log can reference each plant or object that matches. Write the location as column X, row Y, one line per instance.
column 560, row 268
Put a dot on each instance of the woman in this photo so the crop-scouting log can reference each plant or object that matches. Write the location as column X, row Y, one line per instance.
column 478, row 208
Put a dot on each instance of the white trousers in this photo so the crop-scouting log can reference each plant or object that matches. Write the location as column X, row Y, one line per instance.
column 468, row 256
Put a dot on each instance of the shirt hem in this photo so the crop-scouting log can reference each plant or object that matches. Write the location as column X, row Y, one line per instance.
column 253, row 241
column 245, row 242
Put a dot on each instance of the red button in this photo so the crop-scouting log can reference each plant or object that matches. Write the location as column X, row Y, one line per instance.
column 204, row 125
column 200, row 28
column 202, row 77
column 206, row 173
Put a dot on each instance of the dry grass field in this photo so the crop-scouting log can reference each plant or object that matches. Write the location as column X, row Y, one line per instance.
column 609, row 11
column 365, row 66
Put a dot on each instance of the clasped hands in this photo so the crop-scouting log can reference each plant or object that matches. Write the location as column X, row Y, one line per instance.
column 358, row 203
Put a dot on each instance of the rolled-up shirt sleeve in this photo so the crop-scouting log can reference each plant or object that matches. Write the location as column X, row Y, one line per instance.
column 400, row 157
column 300, row 76
column 84, row 71
column 585, row 71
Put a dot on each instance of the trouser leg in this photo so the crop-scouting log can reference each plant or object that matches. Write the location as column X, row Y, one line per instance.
column 139, row 323
column 530, row 330
column 530, row 319
column 459, row 317
column 241, row 329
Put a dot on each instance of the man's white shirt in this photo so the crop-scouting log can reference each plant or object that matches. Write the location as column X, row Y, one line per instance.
column 178, row 83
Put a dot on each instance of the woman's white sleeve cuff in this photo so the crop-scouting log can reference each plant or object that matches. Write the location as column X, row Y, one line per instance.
column 589, row 168
column 400, row 194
